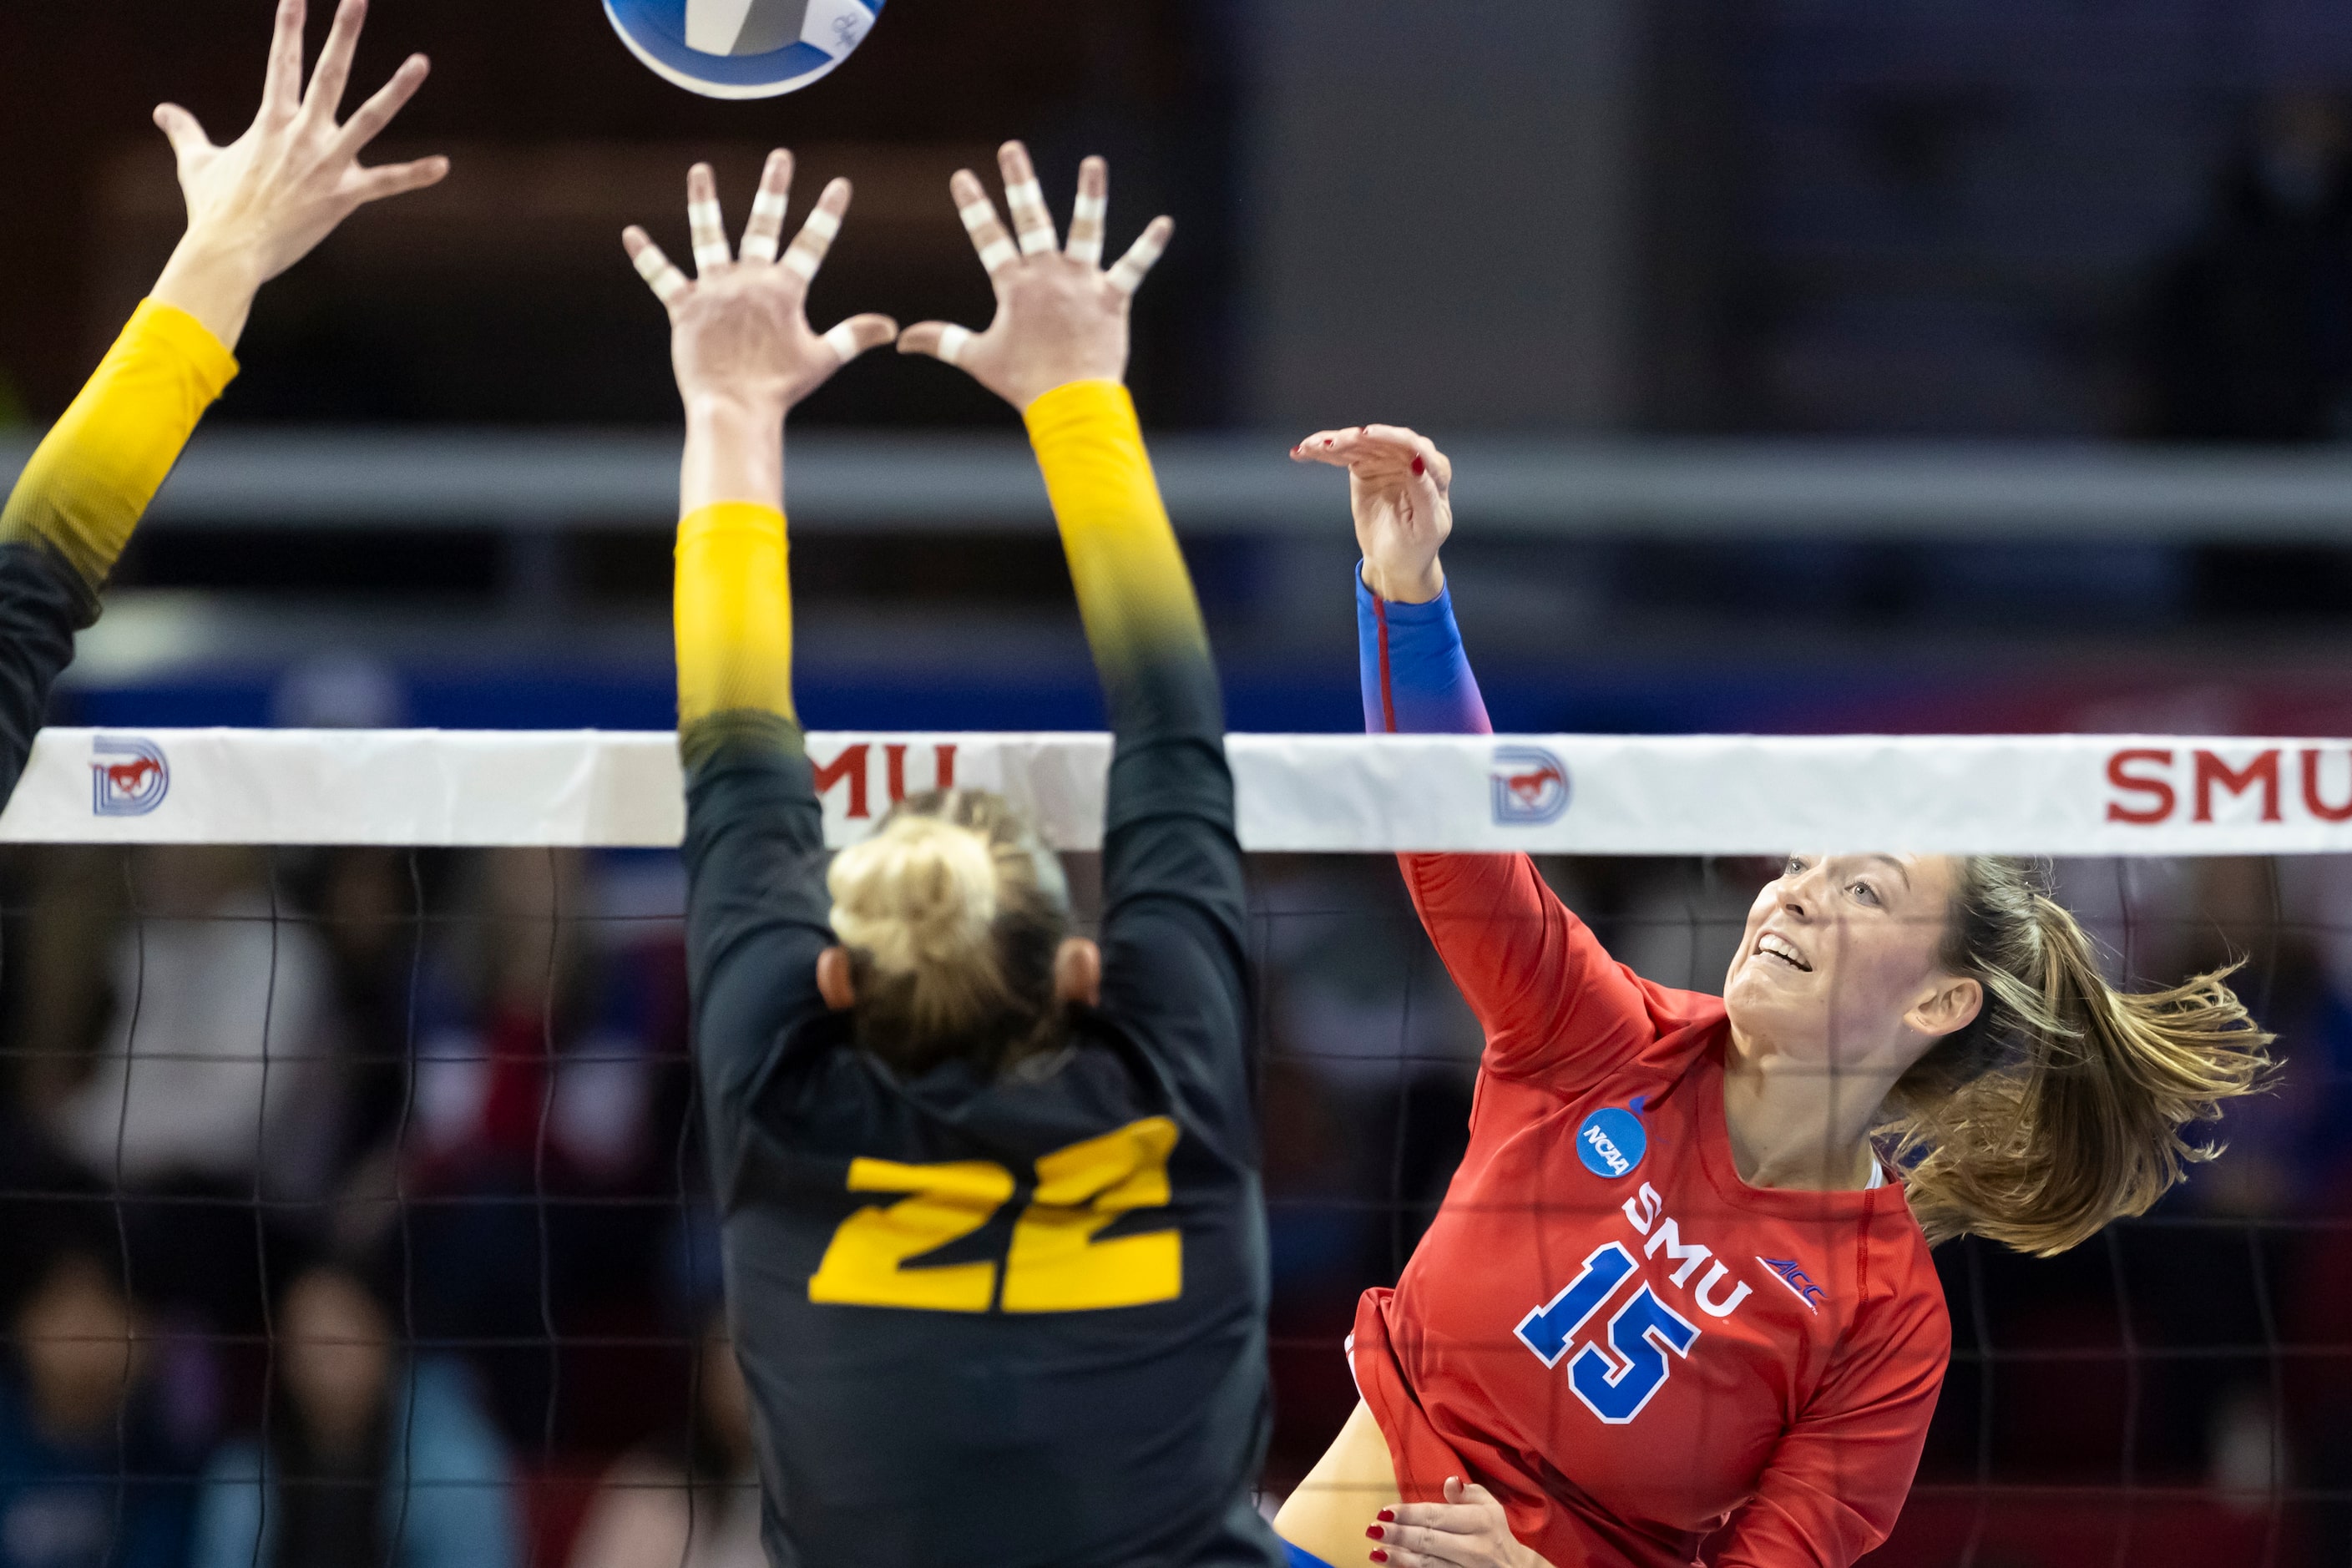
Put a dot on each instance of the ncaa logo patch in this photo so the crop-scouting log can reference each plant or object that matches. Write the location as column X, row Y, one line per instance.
column 1611, row 1142
column 1530, row 786
column 742, row 49
column 128, row 776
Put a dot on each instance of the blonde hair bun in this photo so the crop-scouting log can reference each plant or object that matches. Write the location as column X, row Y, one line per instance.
column 952, row 913
column 920, row 892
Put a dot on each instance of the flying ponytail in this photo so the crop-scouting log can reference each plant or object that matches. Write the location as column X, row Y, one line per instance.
column 2063, row 1105
column 951, row 912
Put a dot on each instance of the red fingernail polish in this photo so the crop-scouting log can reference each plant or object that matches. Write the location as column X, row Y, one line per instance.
column 1386, row 1516
column 1372, row 1532
column 1419, row 468
column 1379, row 1555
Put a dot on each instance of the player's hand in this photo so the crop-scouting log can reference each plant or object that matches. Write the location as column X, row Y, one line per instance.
column 1060, row 316
column 1398, row 485
column 1468, row 1530
column 261, row 204
column 739, row 331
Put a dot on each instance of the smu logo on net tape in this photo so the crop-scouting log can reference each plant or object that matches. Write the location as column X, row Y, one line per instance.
column 128, row 776
column 1530, row 786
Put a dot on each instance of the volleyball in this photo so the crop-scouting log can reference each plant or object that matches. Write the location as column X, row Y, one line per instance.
column 742, row 49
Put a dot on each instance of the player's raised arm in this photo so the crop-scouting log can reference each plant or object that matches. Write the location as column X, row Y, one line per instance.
column 1552, row 1004
column 1057, row 351
column 744, row 355
column 255, row 208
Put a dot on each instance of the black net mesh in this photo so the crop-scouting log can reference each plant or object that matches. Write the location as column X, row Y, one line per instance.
column 383, row 1164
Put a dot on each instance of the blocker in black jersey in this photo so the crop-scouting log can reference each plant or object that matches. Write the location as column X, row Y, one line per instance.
column 989, row 1420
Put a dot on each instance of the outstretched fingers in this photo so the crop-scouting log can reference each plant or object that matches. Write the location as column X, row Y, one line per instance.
column 941, row 340
column 281, row 86
column 668, row 284
column 815, row 239
column 1032, row 219
column 183, row 129
column 860, row 334
column 399, row 179
column 380, row 107
column 332, row 77
column 765, row 232
column 1144, row 255
column 706, row 222
column 989, row 238
column 1092, row 213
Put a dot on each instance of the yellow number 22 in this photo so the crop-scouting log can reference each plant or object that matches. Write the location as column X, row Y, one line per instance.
column 1053, row 1264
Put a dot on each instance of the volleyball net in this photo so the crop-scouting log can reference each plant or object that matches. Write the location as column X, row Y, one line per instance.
column 407, row 1010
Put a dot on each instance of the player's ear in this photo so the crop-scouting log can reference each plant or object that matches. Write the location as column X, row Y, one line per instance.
column 1077, row 971
column 834, row 980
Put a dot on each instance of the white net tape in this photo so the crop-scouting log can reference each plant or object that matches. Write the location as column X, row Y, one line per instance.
column 1570, row 794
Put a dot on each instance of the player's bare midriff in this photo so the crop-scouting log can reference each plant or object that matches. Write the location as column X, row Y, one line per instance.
column 1350, row 1484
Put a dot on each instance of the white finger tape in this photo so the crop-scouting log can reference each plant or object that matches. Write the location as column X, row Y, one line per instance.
column 709, row 228
column 1031, row 216
column 976, row 216
column 1132, row 268
column 1087, row 228
column 803, row 261
column 954, row 341
column 764, row 234
column 823, row 223
column 654, row 268
column 998, row 255
column 843, row 341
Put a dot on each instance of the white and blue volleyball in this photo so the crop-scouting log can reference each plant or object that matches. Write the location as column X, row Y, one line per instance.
column 742, row 49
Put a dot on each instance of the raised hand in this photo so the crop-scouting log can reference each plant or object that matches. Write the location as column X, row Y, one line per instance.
column 739, row 330
column 1468, row 1530
column 261, row 204
column 1398, row 485
column 1060, row 316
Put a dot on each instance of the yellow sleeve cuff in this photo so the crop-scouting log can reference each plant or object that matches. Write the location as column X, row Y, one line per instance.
column 1134, row 592
column 734, row 612
column 92, row 478
column 169, row 327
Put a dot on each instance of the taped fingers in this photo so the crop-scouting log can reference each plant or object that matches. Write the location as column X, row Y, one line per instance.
column 1032, row 219
column 989, row 238
column 816, row 236
column 941, row 340
column 858, row 334
column 765, row 232
column 707, row 223
column 660, row 274
column 1144, row 255
column 1088, row 217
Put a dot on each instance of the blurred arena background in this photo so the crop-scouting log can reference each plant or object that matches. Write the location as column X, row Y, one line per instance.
column 1809, row 366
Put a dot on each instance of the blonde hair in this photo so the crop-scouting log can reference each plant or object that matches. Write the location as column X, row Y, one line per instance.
column 2063, row 1106
column 952, row 913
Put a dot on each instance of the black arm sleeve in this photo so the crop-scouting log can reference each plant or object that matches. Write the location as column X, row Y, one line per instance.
column 757, row 909
column 43, row 602
column 1175, row 945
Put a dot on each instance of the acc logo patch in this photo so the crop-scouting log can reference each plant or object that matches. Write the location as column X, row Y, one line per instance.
column 1530, row 786
column 1611, row 1142
column 128, row 776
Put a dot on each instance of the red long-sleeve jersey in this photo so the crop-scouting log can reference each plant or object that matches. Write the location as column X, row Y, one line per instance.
column 1648, row 1360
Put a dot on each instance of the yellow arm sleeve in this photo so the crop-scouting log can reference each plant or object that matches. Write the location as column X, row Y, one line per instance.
column 1134, row 592
column 91, row 479
column 734, row 614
